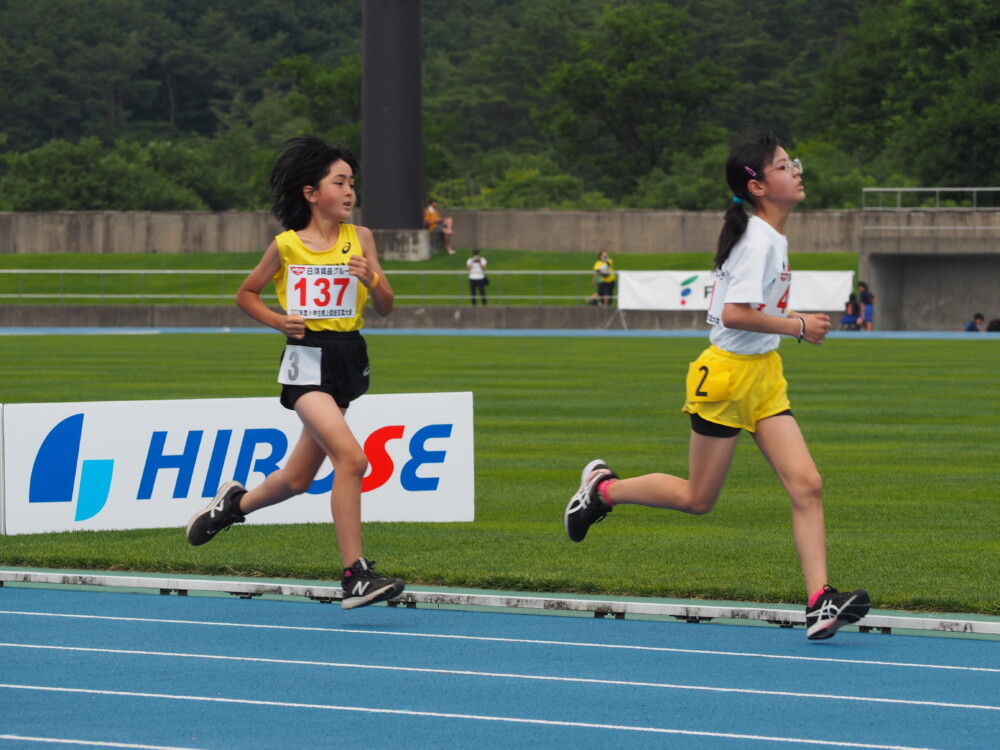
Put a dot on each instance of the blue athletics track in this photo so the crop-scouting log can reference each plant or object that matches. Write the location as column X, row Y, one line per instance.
column 81, row 667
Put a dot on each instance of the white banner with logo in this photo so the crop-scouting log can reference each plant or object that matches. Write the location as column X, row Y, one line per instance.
column 691, row 290
column 152, row 464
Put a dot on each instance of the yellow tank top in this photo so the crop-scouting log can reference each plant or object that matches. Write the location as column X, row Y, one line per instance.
column 317, row 286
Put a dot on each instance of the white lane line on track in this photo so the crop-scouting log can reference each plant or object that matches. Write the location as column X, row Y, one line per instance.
column 475, row 717
column 87, row 743
column 529, row 641
column 507, row 675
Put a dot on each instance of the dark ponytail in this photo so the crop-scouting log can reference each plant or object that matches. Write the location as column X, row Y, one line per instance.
column 735, row 225
column 746, row 162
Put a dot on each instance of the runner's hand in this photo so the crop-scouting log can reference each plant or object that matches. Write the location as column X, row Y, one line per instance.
column 359, row 267
column 293, row 326
column 817, row 326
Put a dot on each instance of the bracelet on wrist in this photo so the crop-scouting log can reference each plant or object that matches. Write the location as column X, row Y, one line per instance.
column 802, row 327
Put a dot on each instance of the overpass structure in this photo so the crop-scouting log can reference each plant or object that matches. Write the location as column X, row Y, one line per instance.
column 931, row 256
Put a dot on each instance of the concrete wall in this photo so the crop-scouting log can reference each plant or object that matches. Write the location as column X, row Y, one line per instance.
column 639, row 231
column 588, row 231
column 933, row 292
column 930, row 269
column 135, row 232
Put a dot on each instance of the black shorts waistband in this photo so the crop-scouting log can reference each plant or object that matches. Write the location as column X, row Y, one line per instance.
column 326, row 336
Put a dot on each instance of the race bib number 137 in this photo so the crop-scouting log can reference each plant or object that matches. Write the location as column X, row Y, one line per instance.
column 321, row 292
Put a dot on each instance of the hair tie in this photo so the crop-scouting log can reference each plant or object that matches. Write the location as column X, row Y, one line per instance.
column 738, row 200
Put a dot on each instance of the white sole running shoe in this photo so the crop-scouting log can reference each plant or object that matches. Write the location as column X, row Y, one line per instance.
column 585, row 508
column 363, row 586
column 833, row 610
column 217, row 515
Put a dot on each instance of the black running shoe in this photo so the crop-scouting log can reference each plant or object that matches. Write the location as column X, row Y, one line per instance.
column 586, row 508
column 832, row 610
column 363, row 586
column 219, row 514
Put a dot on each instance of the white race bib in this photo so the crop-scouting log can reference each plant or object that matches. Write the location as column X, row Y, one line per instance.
column 300, row 365
column 321, row 292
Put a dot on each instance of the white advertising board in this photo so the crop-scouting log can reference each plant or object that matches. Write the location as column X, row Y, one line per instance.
column 691, row 290
column 152, row 464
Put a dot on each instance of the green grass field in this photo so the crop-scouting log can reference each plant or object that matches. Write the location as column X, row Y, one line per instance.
column 904, row 432
column 422, row 284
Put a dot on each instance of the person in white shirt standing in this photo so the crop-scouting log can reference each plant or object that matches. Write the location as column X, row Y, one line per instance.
column 476, row 266
column 738, row 384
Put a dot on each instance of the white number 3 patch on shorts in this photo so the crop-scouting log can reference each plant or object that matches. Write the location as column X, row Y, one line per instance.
column 300, row 365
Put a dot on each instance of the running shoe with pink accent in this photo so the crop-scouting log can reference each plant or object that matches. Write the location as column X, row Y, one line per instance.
column 834, row 609
column 586, row 507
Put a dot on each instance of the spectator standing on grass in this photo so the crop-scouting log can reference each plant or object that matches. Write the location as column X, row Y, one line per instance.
column 437, row 224
column 867, row 300
column 973, row 325
column 325, row 365
column 604, row 278
column 738, row 384
column 476, row 266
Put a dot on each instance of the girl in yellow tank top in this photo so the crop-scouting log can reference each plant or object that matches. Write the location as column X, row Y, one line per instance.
column 317, row 285
column 325, row 270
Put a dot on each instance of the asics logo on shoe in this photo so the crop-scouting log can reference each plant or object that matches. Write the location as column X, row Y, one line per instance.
column 577, row 502
column 829, row 609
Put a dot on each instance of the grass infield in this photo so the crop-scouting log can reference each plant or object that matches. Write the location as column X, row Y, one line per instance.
column 431, row 287
column 904, row 433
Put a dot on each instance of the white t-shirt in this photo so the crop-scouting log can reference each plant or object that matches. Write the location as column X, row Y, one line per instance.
column 755, row 273
column 476, row 267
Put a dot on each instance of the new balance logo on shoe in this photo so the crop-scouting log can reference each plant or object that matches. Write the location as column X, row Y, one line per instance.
column 221, row 513
column 363, row 586
column 360, row 587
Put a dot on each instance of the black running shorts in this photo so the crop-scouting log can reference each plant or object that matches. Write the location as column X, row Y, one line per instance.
column 327, row 361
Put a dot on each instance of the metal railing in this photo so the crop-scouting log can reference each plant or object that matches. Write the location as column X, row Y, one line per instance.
column 184, row 287
column 911, row 212
column 904, row 198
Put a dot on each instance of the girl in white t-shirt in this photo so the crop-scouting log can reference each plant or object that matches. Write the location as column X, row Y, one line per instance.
column 738, row 384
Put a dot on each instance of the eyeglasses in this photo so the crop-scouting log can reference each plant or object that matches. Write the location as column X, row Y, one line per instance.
column 792, row 166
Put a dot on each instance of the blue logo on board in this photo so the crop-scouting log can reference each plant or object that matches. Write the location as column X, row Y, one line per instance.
column 53, row 475
column 58, row 475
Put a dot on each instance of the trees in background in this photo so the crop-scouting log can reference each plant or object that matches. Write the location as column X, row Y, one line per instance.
column 181, row 104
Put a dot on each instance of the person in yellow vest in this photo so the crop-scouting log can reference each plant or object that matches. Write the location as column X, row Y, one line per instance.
column 324, row 270
column 435, row 223
column 604, row 277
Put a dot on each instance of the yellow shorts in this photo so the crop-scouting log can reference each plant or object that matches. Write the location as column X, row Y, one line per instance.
column 736, row 390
